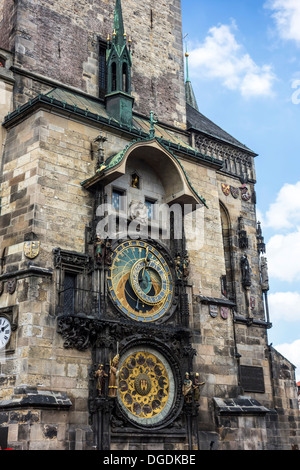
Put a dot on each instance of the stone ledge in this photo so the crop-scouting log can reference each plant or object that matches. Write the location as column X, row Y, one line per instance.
column 31, row 397
column 30, row 271
column 239, row 406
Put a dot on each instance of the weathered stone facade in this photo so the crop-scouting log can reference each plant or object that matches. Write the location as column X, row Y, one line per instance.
column 63, row 155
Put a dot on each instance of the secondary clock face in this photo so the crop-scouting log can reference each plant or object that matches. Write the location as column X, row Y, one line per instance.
column 5, row 332
column 140, row 281
column 146, row 386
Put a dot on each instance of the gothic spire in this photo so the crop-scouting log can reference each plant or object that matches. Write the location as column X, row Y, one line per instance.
column 119, row 31
column 189, row 92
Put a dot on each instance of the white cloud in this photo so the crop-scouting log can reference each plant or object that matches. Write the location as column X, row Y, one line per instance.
column 291, row 351
column 284, row 213
column 284, row 256
column 287, row 18
column 285, row 306
column 222, row 57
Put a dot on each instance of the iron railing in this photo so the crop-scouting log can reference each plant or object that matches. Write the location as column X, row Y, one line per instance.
column 75, row 301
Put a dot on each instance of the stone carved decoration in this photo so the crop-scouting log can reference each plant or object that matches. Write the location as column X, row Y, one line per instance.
column 64, row 258
column 243, row 239
column 264, row 274
column 11, row 286
column 83, row 332
column 138, row 212
column 261, row 247
column 235, row 161
column 77, row 332
column 98, row 150
column 246, row 272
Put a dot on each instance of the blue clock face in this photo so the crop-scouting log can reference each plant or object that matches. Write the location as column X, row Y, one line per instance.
column 140, row 281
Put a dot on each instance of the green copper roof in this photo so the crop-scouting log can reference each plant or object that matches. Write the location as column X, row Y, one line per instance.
column 119, row 26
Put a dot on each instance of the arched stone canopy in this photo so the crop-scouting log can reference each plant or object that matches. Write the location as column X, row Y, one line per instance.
column 166, row 165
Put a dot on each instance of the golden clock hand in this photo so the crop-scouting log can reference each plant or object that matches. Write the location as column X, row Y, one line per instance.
column 145, row 261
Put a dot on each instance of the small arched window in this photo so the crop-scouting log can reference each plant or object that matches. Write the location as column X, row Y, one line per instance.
column 125, row 78
column 113, row 76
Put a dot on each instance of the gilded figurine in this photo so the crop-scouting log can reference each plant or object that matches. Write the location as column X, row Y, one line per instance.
column 100, row 375
column 113, row 377
column 135, row 181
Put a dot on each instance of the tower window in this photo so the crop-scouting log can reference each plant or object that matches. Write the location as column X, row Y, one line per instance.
column 69, row 292
column 102, row 69
column 125, row 78
column 113, row 76
column 150, row 208
column 116, row 199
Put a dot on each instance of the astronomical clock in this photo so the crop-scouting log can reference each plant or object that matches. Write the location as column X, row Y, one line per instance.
column 140, row 282
column 143, row 294
column 139, row 336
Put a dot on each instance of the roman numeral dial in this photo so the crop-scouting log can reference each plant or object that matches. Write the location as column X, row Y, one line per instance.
column 140, row 281
column 5, row 332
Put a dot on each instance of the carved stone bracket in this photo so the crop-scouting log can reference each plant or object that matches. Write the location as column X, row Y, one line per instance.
column 70, row 259
column 82, row 332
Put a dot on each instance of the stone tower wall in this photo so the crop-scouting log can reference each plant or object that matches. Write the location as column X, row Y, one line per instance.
column 59, row 41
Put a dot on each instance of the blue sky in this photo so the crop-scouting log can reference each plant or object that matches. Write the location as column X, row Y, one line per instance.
column 245, row 70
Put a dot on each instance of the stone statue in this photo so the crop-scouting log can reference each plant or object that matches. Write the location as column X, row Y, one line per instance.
column 108, row 252
column 100, row 376
column 139, row 212
column 187, row 388
column 185, row 265
column 246, row 273
column 196, row 386
column 264, row 274
column 178, row 268
column 113, row 377
column 99, row 250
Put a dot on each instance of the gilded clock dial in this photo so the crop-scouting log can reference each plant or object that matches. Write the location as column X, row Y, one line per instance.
column 140, row 281
column 146, row 386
